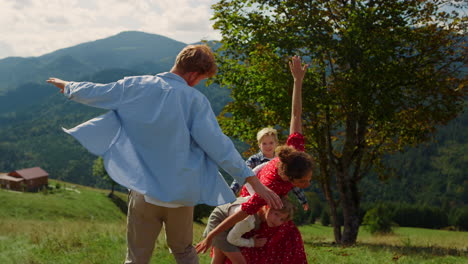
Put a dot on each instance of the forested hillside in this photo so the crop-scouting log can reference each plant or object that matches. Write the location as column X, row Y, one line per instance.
column 435, row 173
column 33, row 112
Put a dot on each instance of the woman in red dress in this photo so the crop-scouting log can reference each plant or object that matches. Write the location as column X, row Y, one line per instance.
column 292, row 167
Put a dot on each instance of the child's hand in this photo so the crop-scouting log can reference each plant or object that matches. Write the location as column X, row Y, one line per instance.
column 259, row 242
column 306, row 206
column 203, row 245
column 298, row 71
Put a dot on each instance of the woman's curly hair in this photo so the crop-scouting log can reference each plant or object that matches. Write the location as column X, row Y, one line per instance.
column 294, row 164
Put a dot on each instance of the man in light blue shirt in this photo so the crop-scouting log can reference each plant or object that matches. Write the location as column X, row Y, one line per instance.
column 161, row 140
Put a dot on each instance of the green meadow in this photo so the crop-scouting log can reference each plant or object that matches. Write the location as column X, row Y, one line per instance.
column 77, row 224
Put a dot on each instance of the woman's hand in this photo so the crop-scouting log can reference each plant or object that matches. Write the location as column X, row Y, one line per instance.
column 297, row 69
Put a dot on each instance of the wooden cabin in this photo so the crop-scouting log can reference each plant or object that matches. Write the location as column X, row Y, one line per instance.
column 11, row 183
column 31, row 179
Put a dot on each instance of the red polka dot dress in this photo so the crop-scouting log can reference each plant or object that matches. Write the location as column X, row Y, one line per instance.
column 285, row 245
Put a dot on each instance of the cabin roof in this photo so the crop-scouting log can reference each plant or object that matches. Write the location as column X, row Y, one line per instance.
column 30, row 173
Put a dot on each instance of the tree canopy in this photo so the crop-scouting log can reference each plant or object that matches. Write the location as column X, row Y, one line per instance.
column 384, row 75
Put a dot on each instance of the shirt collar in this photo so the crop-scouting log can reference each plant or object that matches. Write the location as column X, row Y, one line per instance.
column 262, row 157
column 172, row 76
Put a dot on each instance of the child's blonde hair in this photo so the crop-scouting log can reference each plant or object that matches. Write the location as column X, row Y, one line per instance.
column 288, row 208
column 267, row 131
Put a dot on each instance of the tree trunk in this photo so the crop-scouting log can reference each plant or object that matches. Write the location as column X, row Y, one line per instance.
column 335, row 223
column 325, row 180
column 350, row 205
column 333, row 213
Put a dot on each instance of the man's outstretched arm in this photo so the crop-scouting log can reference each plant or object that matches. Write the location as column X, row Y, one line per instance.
column 58, row 82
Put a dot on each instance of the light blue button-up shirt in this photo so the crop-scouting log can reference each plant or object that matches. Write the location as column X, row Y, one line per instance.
column 161, row 139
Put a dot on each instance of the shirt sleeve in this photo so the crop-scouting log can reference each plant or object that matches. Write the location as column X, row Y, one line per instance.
column 106, row 96
column 206, row 132
column 300, row 195
column 235, row 235
column 253, row 204
column 250, row 162
column 257, row 169
column 297, row 141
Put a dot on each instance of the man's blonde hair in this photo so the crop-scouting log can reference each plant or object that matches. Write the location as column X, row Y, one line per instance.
column 267, row 131
column 196, row 58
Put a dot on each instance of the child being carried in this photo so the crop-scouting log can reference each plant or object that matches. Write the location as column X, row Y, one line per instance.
column 227, row 243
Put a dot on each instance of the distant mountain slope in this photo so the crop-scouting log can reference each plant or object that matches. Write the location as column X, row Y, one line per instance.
column 142, row 52
column 124, row 50
column 432, row 173
column 32, row 112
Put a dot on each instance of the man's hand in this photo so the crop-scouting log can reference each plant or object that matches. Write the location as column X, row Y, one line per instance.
column 203, row 245
column 259, row 242
column 272, row 199
column 59, row 83
column 306, row 206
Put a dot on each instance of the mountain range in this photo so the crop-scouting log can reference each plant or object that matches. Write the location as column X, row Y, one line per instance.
column 32, row 113
column 142, row 52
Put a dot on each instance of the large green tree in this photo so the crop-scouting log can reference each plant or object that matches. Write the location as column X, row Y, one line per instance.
column 100, row 171
column 384, row 74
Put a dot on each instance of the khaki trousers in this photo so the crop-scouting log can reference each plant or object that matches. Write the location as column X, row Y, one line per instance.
column 144, row 222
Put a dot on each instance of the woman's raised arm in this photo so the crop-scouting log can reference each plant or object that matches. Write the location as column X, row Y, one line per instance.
column 298, row 71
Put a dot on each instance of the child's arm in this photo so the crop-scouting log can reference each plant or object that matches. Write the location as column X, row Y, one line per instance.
column 298, row 71
column 235, row 186
column 205, row 244
column 235, row 235
column 301, row 197
column 257, row 169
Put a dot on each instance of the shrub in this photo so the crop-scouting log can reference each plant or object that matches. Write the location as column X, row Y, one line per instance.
column 459, row 218
column 378, row 220
column 325, row 218
column 201, row 211
column 316, row 210
column 420, row 216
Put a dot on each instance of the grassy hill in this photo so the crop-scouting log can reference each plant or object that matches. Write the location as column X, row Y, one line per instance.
column 77, row 224
column 71, row 224
column 69, row 201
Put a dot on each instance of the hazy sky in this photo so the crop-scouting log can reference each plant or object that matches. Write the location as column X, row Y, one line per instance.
column 36, row 27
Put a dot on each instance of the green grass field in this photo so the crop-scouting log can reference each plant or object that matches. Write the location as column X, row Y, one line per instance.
column 78, row 224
